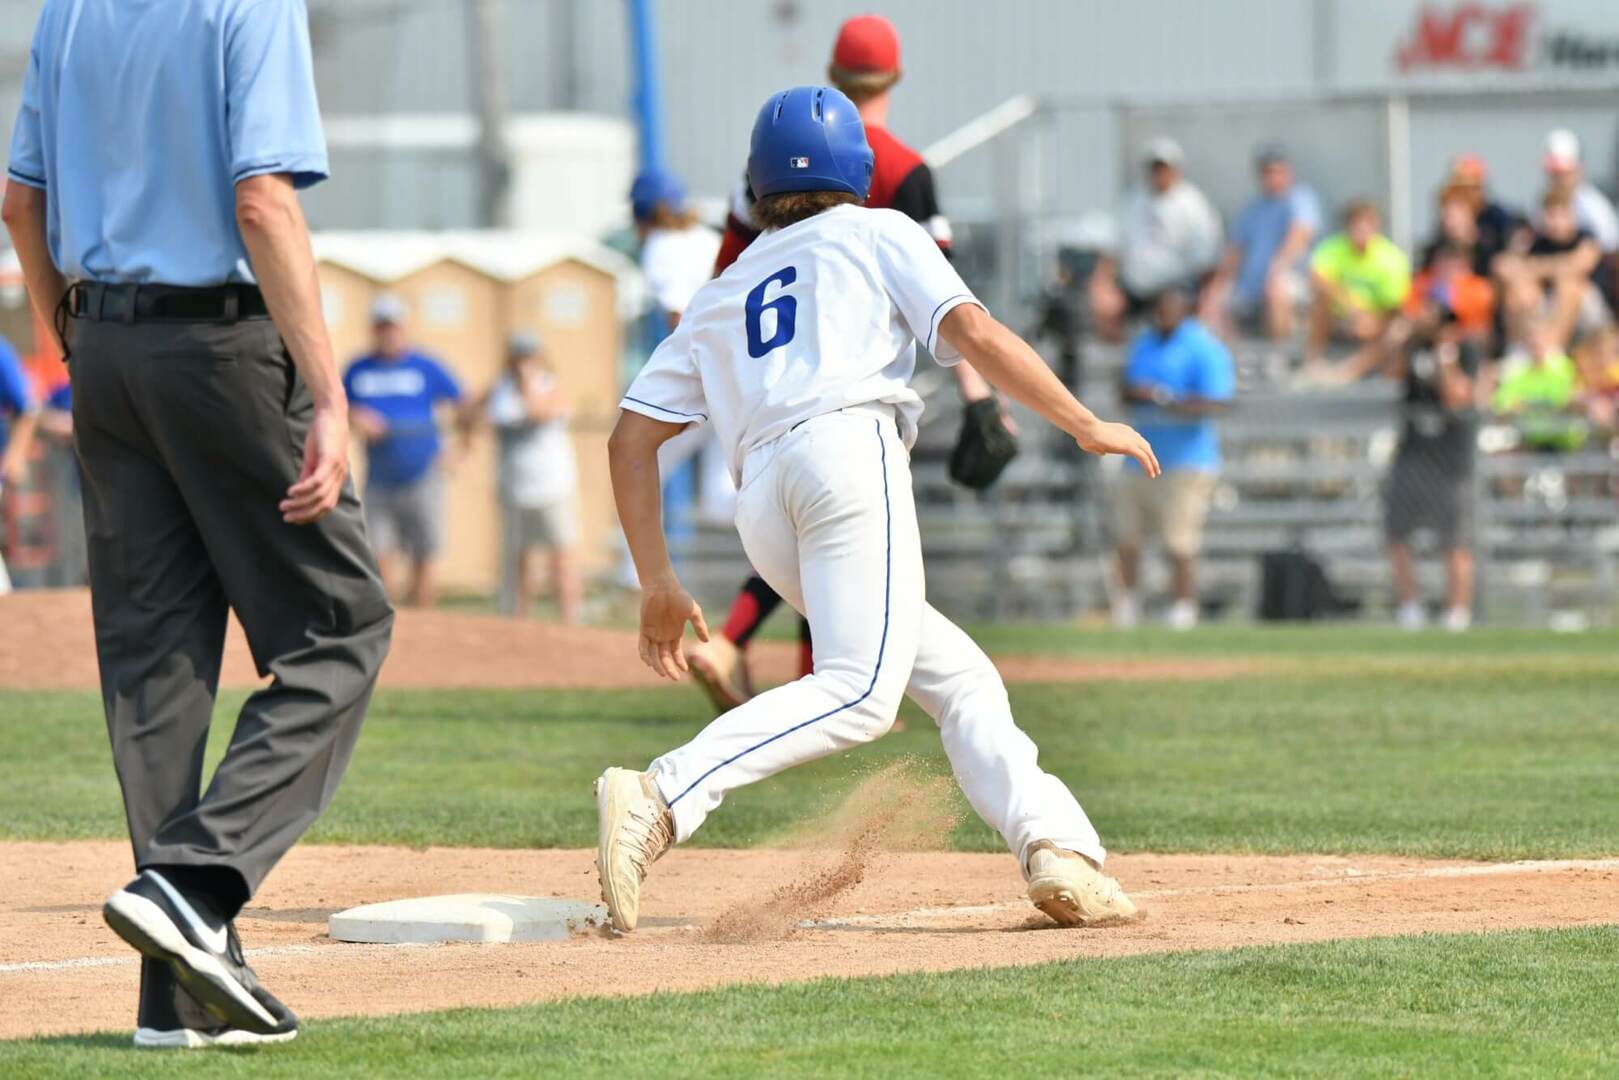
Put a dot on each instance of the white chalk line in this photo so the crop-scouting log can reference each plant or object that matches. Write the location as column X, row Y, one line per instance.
column 926, row 914
column 77, row 962
column 1348, row 877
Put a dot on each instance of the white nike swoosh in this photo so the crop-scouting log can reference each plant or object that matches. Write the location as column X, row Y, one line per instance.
column 214, row 937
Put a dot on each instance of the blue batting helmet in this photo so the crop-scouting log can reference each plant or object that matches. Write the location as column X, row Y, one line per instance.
column 809, row 138
column 654, row 188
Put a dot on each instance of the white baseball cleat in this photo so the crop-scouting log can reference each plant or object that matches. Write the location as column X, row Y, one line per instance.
column 636, row 830
column 1068, row 888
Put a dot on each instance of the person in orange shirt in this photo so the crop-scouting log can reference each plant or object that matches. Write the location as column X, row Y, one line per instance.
column 1450, row 281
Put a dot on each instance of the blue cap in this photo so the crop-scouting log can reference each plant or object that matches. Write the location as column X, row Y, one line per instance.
column 654, row 188
column 809, row 138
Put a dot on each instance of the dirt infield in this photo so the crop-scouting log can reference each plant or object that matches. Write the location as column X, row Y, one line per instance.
column 710, row 917
column 61, row 970
column 46, row 644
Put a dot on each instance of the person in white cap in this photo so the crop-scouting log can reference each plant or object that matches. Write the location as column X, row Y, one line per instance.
column 1169, row 238
column 538, row 477
column 1565, row 175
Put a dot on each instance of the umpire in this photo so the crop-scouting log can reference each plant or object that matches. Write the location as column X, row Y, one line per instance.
column 151, row 199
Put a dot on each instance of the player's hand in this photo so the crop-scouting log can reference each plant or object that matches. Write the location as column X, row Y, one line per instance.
column 13, row 470
column 369, row 423
column 326, row 466
column 1105, row 438
column 665, row 610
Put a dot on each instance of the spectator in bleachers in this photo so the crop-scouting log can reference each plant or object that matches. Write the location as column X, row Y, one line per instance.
column 1494, row 225
column 1261, row 277
column 1565, row 175
column 1430, row 485
column 537, row 476
column 1460, row 224
column 1538, row 390
column 1555, row 277
column 1450, row 278
column 1359, row 279
column 395, row 393
column 1169, row 237
column 1599, row 386
column 1178, row 378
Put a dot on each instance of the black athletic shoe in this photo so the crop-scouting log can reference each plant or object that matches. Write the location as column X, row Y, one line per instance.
column 170, row 1019
column 202, row 950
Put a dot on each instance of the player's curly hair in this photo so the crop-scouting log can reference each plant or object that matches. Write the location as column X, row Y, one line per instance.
column 780, row 211
column 860, row 86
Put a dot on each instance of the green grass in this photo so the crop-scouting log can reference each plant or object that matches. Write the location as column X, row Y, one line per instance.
column 1494, row 746
column 1514, row 1004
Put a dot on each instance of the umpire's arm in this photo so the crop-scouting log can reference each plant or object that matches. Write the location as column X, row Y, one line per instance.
column 24, row 214
column 277, row 241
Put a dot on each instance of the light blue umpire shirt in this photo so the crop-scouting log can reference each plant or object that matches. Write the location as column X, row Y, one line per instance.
column 139, row 117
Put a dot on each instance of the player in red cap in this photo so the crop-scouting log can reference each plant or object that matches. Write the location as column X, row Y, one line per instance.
column 865, row 66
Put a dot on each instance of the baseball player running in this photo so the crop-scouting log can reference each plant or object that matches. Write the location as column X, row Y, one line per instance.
column 865, row 67
column 800, row 356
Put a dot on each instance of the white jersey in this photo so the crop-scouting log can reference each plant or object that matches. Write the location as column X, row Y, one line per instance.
column 810, row 319
column 678, row 262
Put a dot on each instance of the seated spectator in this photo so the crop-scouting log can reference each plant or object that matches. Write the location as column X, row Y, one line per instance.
column 1261, row 277
column 1430, row 484
column 1359, row 278
column 1169, row 237
column 1495, row 226
column 1451, row 278
column 1599, row 383
column 538, row 478
column 1459, row 226
column 1554, row 277
column 1538, row 391
column 1178, row 377
column 1565, row 175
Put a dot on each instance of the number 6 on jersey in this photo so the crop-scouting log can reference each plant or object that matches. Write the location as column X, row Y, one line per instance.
column 785, row 307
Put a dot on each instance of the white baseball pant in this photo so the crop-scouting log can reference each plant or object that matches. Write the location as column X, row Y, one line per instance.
column 827, row 517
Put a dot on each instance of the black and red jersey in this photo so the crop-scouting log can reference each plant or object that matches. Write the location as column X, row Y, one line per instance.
column 900, row 180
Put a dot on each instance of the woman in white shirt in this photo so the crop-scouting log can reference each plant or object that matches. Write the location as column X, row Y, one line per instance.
column 538, row 478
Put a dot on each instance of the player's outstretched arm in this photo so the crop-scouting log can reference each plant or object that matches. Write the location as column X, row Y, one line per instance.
column 666, row 607
column 1014, row 368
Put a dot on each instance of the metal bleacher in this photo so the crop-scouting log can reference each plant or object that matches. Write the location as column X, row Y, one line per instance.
column 1304, row 469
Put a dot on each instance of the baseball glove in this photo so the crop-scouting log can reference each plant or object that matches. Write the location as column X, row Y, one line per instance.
column 985, row 446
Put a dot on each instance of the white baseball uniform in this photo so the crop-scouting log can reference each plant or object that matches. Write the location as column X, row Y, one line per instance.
column 800, row 356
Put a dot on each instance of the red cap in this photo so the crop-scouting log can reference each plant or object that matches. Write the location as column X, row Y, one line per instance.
column 867, row 43
column 1468, row 168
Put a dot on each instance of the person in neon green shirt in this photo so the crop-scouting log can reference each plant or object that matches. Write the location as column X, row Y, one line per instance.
column 1359, row 280
column 1539, row 391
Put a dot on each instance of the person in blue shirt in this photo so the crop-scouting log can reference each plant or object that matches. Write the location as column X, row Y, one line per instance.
column 1262, row 278
column 152, row 200
column 395, row 395
column 19, row 417
column 1178, row 378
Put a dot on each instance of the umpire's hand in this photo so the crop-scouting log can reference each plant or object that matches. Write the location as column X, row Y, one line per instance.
column 326, row 466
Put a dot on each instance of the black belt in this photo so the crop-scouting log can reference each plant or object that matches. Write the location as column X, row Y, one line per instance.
column 105, row 302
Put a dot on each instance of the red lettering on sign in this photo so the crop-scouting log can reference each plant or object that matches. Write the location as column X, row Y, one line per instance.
column 1469, row 35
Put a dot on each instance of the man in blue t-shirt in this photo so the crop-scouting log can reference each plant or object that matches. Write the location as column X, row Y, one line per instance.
column 1262, row 278
column 395, row 394
column 1179, row 376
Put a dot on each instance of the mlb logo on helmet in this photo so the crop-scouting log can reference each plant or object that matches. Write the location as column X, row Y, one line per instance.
column 798, row 162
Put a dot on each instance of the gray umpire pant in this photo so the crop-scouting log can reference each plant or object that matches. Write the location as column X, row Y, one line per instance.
column 189, row 434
